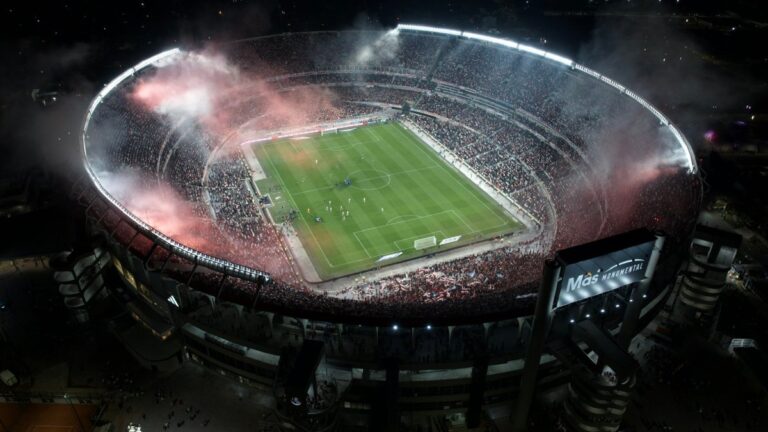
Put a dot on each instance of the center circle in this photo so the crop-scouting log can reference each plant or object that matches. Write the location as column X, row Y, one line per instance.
column 369, row 179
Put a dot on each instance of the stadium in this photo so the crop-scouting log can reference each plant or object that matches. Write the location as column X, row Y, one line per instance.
column 397, row 191
column 542, row 164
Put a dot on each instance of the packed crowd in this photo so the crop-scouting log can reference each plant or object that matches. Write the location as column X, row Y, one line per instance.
column 302, row 52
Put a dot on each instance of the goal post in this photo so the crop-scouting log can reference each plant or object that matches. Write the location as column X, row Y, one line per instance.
column 424, row 243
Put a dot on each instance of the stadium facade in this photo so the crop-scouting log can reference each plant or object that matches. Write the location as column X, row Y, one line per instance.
column 582, row 156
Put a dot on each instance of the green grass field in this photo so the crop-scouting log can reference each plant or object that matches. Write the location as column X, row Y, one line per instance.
column 400, row 191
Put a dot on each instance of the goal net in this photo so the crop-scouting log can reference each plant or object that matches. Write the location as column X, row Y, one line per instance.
column 424, row 243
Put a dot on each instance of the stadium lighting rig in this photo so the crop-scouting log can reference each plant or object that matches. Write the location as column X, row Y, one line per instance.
column 684, row 144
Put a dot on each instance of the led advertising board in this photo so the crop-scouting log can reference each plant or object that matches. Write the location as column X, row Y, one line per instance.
column 602, row 266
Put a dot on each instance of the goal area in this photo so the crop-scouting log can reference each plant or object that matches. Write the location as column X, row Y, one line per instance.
column 426, row 242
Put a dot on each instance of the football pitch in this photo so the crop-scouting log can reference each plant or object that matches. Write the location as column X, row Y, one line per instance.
column 360, row 195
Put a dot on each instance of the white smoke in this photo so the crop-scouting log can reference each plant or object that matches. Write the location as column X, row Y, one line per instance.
column 383, row 49
column 186, row 89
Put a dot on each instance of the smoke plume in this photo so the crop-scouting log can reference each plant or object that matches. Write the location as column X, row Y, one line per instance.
column 661, row 66
column 161, row 207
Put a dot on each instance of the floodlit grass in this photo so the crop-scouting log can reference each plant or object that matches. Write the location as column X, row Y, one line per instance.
column 400, row 191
